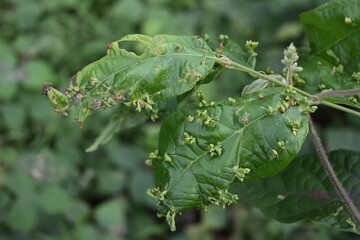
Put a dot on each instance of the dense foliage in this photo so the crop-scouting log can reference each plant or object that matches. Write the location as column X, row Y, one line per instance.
column 42, row 161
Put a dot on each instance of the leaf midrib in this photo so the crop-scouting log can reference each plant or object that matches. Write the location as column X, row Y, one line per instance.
column 147, row 59
column 195, row 160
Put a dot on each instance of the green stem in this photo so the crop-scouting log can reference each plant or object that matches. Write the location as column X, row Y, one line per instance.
column 257, row 74
column 338, row 107
column 289, row 76
column 254, row 73
column 330, row 171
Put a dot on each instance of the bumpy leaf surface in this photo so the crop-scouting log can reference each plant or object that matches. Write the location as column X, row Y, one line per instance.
column 303, row 191
column 199, row 160
column 169, row 66
column 336, row 26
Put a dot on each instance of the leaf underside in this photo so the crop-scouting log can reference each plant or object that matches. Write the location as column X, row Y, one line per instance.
column 248, row 135
column 303, row 191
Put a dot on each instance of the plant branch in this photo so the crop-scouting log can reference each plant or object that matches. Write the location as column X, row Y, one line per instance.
column 330, row 171
column 339, row 93
column 338, row 107
column 252, row 72
column 235, row 65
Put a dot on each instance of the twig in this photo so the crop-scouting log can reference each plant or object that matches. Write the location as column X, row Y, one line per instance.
column 329, row 170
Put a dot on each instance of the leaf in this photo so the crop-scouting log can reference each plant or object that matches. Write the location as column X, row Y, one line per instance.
column 37, row 72
column 254, row 86
column 20, row 183
column 259, row 84
column 335, row 25
column 233, row 51
column 54, row 200
column 111, row 215
column 86, row 232
column 138, row 183
column 109, row 182
column 23, row 216
column 169, row 66
column 303, row 191
column 319, row 77
column 129, row 118
column 205, row 157
column 117, row 123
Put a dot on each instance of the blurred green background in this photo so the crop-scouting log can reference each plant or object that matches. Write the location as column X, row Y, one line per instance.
column 50, row 189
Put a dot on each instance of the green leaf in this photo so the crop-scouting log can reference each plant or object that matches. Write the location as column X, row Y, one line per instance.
column 20, row 183
column 37, row 72
column 110, row 182
column 233, row 51
column 129, row 118
column 139, row 182
column 10, row 76
column 169, row 66
column 303, row 191
column 87, row 232
column 336, row 26
column 54, row 200
column 111, row 215
column 248, row 138
column 22, row 216
column 117, row 123
column 319, row 77
column 260, row 84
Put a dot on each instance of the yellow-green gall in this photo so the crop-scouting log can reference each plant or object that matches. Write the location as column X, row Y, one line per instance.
column 240, row 173
column 347, row 20
column 190, row 118
column 281, row 144
column 188, row 139
column 167, row 158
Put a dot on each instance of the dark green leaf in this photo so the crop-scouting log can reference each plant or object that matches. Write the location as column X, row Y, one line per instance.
column 336, row 26
column 117, row 123
column 169, row 66
column 251, row 133
column 303, row 191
